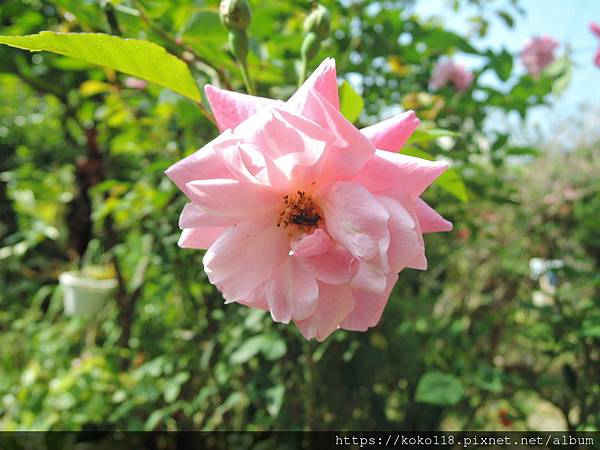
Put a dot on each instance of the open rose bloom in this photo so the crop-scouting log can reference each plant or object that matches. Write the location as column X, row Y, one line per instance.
column 538, row 53
column 304, row 215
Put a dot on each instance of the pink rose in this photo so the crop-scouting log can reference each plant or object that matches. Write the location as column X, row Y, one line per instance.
column 303, row 215
column 538, row 53
column 595, row 28
column 447, row 72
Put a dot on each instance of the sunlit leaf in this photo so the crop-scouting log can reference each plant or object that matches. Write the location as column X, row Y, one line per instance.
column 561, row 72
column 424, row 135
column 142, row 59
column 452, row 182
column 93, row 87
column 351, row 103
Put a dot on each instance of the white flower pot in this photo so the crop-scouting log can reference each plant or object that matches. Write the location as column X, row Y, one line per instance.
column 85, row 296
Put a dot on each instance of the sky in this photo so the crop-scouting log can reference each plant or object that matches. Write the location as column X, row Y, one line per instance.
column 567, row 21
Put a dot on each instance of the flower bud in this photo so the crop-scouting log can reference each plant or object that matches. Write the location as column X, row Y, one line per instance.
column 317, row 22
column 235, row 14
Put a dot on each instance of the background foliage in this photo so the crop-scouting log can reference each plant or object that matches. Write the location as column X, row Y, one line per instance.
column 461, row 346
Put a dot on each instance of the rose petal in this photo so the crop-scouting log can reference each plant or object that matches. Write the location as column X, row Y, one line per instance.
column 316, row 243
column 200, row 165
column 292, row 293
column 294, row 144
column 232, row 108
column 335, row 303
column 420, row 261
column 389, row 173
column 354, row 218
column 368, row 307
column 391, row 134
column 225, row 202
column 333, row 267
column 351, row 150
column 324, row 81
column 405, row 243
column 429, row 219
column 201, row 238
column 244, row 256
column 256, row 299
column 369, row 278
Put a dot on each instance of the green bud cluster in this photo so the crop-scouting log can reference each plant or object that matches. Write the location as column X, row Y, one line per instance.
column 236, row 16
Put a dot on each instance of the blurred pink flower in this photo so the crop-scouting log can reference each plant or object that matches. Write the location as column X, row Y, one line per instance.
column 135, row 83
column 302, row 214
column 595, row 28
column 538, row 53
column 450, row 72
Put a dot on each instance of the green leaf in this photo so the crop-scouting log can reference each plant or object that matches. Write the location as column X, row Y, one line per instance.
column 438, row 38
column 591, row 330
column 452, row 182
column 275, row 398
column 351, row 104
column 424, row 135
column 417, row 153
column 247, row 350
column 561, row 72
column 93, row 87
column 507, row 18
column 522, row 151
column 173, row 386
column 273, row 347
column 502, row 63
column 205, row 25
column 154, row 419
column 141, row 59
column 436, row 388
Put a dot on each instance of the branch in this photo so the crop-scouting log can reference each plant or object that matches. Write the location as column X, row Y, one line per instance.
column 216, row 75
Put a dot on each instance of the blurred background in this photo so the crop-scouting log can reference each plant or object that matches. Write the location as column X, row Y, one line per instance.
column 502, row 332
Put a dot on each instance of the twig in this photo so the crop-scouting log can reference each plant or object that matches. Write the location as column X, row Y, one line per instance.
column 112, row 19
column 183, row 49
column 217, row 76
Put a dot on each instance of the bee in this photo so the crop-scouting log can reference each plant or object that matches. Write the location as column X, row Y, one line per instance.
column 303, row 219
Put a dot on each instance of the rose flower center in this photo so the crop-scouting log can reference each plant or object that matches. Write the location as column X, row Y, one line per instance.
column 300, row 212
